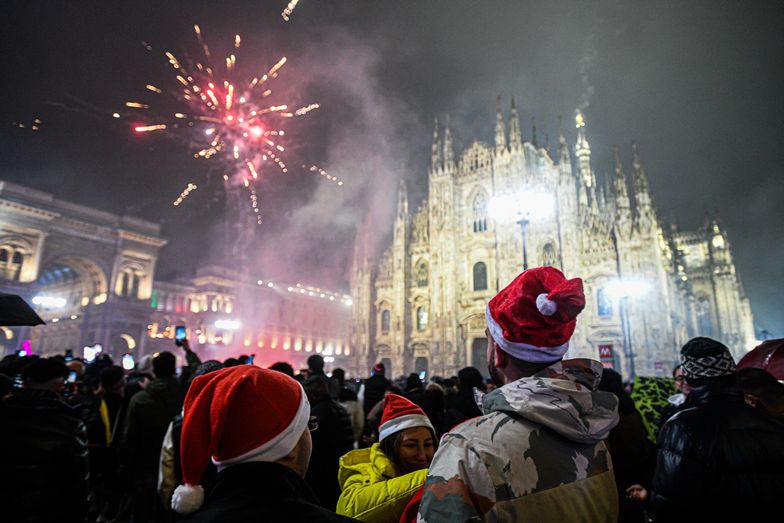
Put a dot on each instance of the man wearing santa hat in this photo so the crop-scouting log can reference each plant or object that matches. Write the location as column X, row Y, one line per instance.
column 538, row 452
column 255, row 425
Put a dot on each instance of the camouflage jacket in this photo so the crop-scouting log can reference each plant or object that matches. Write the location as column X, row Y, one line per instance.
column 537, row 454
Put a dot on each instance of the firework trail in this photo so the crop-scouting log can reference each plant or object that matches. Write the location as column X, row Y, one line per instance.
column 226, row 116
column 286, row 14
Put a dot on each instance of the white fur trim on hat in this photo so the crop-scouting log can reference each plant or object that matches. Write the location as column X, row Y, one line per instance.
column 409, row 421
column 545, row 306
column 187, row 498
column 281, row 445
column 524, row 351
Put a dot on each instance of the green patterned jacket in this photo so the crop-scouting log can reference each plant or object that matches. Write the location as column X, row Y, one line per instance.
column 536, row 455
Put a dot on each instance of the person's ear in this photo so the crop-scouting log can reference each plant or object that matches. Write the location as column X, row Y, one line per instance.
column 751, row 399
column 501, row 357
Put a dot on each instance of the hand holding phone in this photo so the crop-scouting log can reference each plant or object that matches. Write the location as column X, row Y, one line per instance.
column 179, row 334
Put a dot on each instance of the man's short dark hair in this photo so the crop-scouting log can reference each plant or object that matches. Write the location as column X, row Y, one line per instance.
column 761, row 383
column 111, row 376
column 283, row 367
column 42, row 370
column 316, row 363
column 164, row 365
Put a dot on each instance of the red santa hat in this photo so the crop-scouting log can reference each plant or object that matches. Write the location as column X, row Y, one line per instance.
column 400, row 414
column 533, row 318
column 237, row 415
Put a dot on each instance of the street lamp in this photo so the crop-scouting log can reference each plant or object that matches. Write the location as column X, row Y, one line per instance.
column 521, row 208
column 623, row 289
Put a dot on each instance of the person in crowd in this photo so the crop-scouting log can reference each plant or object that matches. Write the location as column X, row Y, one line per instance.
column 316, row 366
column 231, row 362
column 633, row 453
column 261, row 460
column 375, row 387
column 43, row 449
column 113, row 383
column 244, row 359
column 719, row 457
column 463, row 405
column 348, row 400
column 378, row 482
column 149, row 414
column 678, row 400
column 334, row 438
column 169, row 468
column 283, row 367
column 762, row 391
column 431, row 400
column 538, row 452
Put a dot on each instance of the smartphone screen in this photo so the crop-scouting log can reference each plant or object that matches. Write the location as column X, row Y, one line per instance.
column 127, row 362
column 71, row 377
column 179, row 333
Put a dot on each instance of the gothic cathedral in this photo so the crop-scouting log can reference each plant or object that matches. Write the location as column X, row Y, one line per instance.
column 494, row 210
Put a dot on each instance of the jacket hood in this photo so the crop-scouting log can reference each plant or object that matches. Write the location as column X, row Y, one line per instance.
column 371, row 463
column 563, row 398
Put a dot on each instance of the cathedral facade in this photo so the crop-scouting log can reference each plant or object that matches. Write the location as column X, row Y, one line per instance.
column 649, row 287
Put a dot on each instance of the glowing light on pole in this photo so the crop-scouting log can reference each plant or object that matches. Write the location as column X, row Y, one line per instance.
column 521, row 208
column 622, row 289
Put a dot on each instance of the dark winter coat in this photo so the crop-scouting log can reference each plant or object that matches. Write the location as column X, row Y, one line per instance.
column 261, row 491
column 333, row 438
column 375, row 387
column 718, row 457
column 463, row 407
column 432, row 402
column 148, row 417
column 43, row 451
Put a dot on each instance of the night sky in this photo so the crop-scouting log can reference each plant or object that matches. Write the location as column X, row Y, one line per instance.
column 698, row 85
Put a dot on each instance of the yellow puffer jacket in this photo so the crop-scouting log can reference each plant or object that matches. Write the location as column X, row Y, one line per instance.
column 370, row 490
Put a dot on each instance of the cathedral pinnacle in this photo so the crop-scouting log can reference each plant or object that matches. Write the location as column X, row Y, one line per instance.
column 500, row 128
column 436, row 150
column 563, row 148
column 449, row 154
column 515, row 138
column 619, row 185
column 583, row 151
column 402, row 200
column 642, row 197
column 533, row 132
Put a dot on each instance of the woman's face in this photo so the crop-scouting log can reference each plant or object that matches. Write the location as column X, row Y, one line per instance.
column 416, row 449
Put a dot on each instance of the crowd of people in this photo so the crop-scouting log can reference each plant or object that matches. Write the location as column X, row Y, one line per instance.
column 543, row 439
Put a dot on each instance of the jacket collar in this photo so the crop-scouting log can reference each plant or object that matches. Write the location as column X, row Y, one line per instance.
column 262, row 479
column 726, row 389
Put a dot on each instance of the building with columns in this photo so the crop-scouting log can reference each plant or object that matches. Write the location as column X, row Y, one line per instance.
column 91, row 276
column 493, row 209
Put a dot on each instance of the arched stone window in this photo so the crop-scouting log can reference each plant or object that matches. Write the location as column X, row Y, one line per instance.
column 604, row 304
column 421, row 319
column 386, row 320
column 549, row 256
column 480, row 212
column 480, row 276
column 421, row 274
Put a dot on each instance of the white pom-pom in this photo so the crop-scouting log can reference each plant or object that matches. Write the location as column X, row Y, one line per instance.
column 545, row 306
column 187, row 498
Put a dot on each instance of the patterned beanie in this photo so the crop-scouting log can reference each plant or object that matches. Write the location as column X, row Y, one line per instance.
column 704, row 358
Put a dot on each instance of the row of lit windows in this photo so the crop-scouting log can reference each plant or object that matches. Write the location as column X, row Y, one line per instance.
column 271, row 341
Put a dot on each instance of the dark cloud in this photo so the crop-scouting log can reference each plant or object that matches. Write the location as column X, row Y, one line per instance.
column 698, row 85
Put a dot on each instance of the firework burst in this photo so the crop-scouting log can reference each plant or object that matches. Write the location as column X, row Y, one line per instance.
column 228, row 118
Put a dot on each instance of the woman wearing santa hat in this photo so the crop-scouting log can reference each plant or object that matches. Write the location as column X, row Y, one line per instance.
column 378, row 482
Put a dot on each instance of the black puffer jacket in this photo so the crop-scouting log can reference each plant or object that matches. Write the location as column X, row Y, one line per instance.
column 333, row 438
column 43, row 451
column 719, row 457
